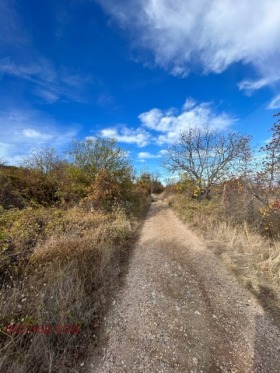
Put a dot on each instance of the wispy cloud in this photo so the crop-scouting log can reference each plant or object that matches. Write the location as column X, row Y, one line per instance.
column 49, row 83
column 40, row 70
column 49, row 95
column 275, row 103
column 182, row 35
column 12, row 31
column 249, row 86
column 23, row 130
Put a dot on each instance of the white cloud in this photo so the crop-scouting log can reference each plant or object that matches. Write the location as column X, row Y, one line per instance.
column 148, row 155
column 189, row 103
column 23, row 130
column 164, row 126
column 109, row 132
column 151, row 118
column 33, row 134
column 252, row 85
column 182, row 35
column 275, row 103
column 138, row 136
column 168, row 124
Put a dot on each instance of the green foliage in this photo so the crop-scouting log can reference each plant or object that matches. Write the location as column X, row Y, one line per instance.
column 21, row 187
column 100, row 176
column 144, row 183
column 35, row 199
column 93, row 155
column 12, row 185
column 109, row 189
column 149, row 183
column 65, row 230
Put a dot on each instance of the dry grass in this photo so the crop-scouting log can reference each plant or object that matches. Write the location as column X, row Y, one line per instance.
column 253, row 258
column 66, row 275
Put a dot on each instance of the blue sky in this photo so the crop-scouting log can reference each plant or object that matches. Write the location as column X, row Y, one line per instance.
column 139, row 71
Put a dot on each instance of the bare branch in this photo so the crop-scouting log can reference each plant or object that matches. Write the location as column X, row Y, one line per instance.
column 207, row 156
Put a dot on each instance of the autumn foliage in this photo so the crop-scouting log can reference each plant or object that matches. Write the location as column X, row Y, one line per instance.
column 66, row 230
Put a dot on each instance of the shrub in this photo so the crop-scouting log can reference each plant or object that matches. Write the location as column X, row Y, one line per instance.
column 66, row 280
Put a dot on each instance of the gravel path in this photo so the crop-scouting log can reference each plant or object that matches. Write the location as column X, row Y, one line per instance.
column 180, row 310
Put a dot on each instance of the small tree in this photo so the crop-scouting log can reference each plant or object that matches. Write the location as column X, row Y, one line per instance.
column 94, row 155
column 42, row 160
column 207, row 156
column 2, row 162
column 150, row 182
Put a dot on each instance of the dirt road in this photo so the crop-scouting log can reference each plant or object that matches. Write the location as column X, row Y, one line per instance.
column 180, row 310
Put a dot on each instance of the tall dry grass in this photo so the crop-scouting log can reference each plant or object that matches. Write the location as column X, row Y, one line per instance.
column 58, row 274
column 254, row 258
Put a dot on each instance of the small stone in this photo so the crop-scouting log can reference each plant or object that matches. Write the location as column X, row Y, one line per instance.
column 195, row 361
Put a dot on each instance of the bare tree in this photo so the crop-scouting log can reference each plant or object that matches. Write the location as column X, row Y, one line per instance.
column 44, row 160
column 2, row 162
column 272, row 161
column 207, row 156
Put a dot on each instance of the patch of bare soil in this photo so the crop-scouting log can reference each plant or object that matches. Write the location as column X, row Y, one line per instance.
column 180, row 310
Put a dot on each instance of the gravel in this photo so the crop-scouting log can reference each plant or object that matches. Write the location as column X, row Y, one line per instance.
column 180, row 310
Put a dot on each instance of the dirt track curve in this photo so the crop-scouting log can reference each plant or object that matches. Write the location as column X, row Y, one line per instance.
column 180, row 310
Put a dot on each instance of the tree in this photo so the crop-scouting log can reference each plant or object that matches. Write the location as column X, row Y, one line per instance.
column 272, row 161
column 95, row 154
column 207, row 156
column 2, row 162
column 150, row 182
column 43, row 160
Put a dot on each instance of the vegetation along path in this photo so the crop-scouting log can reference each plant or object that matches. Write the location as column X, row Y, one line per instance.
column 180, row 310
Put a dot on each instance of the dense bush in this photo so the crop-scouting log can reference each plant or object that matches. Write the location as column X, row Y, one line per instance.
column 65, row 230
